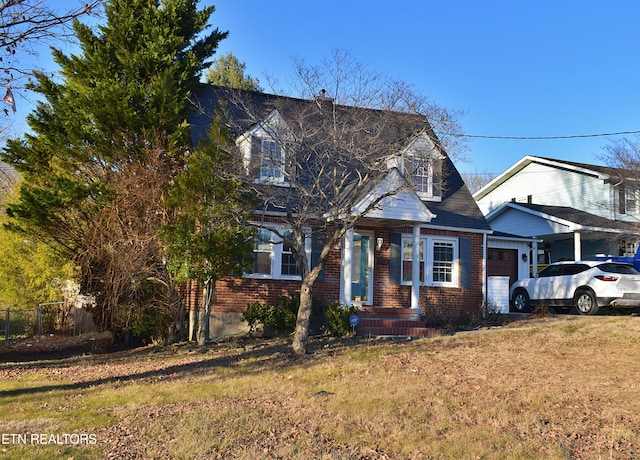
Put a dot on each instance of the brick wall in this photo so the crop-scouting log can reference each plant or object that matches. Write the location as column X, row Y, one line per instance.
column 438, row 303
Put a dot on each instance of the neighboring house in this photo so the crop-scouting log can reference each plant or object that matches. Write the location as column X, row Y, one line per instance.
column 375, row 266
column 574, row 210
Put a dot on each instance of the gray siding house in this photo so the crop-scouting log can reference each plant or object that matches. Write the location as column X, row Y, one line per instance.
column 573, row 210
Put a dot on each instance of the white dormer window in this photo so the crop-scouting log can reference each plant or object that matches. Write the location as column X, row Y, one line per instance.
column 425, row 174
column 271, row 161
column 421, row 163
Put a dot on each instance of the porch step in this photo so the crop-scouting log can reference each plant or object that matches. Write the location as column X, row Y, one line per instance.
column 396, row 322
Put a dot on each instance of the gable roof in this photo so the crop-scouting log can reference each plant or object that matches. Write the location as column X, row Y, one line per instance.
column 598, row 171
column 244, row 109
column 572, row 218
column 404, row 205
column 456, row 210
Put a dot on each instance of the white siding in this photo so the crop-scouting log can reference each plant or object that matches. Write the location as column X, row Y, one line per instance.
column 551, row 186
column 402, row 206
column 524, row 224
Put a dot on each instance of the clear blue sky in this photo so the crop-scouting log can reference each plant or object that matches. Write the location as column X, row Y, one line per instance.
column 516, row 68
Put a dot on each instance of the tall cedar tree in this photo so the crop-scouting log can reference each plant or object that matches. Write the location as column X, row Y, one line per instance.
column 122, row 99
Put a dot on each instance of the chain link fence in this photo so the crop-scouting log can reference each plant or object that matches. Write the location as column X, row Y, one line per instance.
column 47, row 318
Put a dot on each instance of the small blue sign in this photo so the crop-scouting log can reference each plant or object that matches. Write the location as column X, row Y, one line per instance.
column 354, row 320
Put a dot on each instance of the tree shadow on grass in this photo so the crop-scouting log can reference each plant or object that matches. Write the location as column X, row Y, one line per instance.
column 251, row 356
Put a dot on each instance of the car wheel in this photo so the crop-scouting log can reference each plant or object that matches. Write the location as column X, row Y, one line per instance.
column 586, row 303
column 521, row 301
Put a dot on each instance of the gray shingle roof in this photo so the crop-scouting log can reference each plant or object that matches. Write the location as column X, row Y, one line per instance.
column 582, row 218
column 457, row 209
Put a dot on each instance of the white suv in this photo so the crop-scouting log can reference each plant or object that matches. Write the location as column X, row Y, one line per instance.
column 586, row 285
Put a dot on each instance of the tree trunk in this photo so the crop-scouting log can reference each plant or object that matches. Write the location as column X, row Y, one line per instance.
column 207, row 300
column 193, row 322
column 303, row 322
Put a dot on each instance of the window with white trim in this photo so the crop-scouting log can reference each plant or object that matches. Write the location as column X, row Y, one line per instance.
column 273, row 257
column 439, row 261
column 425, row 174
column 271, row 161
column 407, row 260
column 443, row 261
column 262, row 252
column 632, row 199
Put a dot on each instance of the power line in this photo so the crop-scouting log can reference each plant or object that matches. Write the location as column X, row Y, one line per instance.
column 538, row 138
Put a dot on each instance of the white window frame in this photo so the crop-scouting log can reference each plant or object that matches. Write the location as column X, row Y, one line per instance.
column 631, row 199
column 421, row 174
column 275, row 254
column 428, row 244
column 271, row 170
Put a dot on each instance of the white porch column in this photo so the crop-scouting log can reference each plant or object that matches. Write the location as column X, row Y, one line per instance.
column 534, row 258
column 415, row 269
column 577, row 246
column 347, row 255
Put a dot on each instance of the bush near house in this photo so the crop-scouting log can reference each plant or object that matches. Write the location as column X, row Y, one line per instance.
column 275, row 319
column 281, row 318
column 337, row 319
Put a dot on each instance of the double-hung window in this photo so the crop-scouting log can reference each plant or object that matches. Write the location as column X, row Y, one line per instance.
column 271, row 161
column 443, row 262
column 632, row 199
column 273, row 256
column 287, row 258
column 262, row 253
column 439, row 262
column 424, row 171
column 407, row 260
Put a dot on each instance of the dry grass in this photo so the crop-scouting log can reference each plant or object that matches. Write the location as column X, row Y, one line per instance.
column 565, row 387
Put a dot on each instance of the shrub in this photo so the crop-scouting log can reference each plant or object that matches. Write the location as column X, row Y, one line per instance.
column 151, row 325
column 337, row 317
column 279, row 318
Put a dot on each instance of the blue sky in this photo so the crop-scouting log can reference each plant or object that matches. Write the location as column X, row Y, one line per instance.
column 516, row 68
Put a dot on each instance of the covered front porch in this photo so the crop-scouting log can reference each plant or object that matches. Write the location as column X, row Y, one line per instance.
column 367, row 273
column 366, row 265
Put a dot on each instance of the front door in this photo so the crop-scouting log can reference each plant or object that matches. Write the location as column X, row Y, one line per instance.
column 362, row 269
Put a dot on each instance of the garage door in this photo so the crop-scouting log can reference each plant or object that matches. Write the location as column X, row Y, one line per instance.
column 503, row 262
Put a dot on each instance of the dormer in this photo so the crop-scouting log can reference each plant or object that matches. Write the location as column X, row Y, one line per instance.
column 421, row 163
column 264, row 150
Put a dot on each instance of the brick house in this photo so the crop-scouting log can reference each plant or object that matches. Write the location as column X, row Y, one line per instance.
column 419, row 255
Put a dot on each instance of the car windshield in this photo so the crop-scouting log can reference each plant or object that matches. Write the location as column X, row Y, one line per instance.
column 625, row 269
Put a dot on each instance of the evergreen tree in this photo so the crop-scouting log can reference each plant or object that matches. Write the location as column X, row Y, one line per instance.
column 121, row 101
column 209, row 237
column 228, row 71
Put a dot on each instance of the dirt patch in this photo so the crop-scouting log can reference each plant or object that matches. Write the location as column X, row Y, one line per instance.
column 48, row 346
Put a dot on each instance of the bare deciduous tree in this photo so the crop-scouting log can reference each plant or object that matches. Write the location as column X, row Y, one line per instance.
column 24, row 24
column 475, row 181
column 339, row 142
column 623, row 153
column 27, row 23
column 120, row 253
